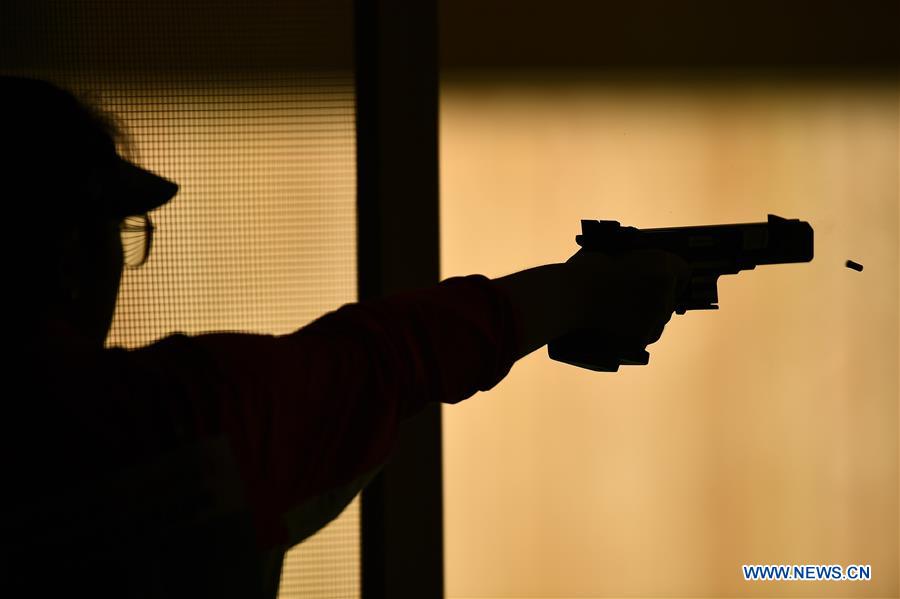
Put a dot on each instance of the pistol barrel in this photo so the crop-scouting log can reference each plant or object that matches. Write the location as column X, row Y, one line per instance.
column 726, row 249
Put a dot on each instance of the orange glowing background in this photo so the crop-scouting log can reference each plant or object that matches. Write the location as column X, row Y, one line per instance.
column 764, row 433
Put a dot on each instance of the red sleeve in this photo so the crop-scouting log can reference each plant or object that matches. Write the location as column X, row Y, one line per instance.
column 319, row 407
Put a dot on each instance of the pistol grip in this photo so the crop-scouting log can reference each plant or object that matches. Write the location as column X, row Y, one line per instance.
column 595, row 351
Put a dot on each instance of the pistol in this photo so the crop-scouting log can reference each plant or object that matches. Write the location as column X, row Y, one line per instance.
column 711, row 251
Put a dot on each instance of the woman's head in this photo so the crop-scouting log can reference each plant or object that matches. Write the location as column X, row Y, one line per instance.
column 66, row 190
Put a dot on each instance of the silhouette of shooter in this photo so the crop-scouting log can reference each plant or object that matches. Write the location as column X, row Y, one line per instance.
column 188, row 467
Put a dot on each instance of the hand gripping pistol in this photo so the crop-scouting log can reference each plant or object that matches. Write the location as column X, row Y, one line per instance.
column 711, row 251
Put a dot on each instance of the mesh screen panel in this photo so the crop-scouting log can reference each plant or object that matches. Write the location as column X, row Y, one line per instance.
column 250, row 108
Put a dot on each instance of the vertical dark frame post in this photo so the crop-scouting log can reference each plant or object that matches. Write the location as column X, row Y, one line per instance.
column 398, row 247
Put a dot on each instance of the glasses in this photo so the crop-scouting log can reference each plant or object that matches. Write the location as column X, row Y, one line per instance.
column 137, row 235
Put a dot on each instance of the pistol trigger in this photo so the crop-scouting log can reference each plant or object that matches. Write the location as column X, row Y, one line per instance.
column 704, row 289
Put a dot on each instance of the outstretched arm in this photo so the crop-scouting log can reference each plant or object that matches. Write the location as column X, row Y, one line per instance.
column 317, row 409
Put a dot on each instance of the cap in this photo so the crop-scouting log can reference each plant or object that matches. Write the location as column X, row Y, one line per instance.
column 54, row 143
column 128, row 189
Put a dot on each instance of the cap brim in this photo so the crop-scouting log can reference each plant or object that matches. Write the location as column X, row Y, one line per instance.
column 133, row 190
